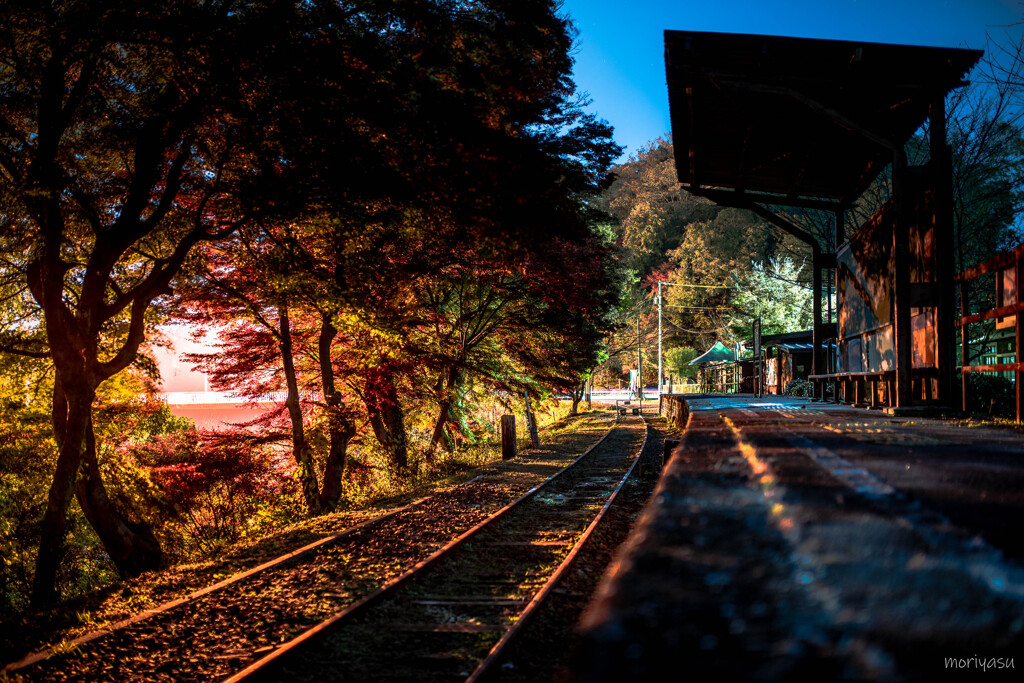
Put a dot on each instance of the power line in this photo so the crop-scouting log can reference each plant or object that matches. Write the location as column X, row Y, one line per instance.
column 701, row 308
column 684, row 284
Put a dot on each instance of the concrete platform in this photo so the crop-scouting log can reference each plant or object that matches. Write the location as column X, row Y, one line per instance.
column 790, row 540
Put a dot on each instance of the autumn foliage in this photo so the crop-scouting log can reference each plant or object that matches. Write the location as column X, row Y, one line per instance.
column 383, row 208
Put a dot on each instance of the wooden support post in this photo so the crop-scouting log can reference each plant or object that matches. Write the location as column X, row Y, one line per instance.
column 902, row 336
column 508, row 437
column 942, row 188
column 816, row 365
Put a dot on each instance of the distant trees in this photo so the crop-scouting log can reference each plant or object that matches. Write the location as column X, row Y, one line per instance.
column 131, row 135
column 775, row 293
column 669, row 235
column 677, row 362
column 986, row 133
column 654, row 212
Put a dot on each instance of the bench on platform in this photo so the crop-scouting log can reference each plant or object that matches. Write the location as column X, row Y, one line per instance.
column 864, row 386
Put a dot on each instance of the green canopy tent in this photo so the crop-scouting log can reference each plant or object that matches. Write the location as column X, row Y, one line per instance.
column 717, row 369
column 716, row 354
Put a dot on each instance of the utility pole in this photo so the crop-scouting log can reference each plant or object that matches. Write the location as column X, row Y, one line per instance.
column 639, row 363
column 659, row 343
column 671, row 284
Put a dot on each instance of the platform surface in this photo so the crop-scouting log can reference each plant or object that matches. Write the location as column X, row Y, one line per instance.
column 791, row 540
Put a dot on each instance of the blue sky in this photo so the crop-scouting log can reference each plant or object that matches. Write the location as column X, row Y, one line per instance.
column 620, row 48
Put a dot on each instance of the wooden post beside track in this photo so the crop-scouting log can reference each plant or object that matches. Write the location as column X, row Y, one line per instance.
column 669, row 448
column 508, row 437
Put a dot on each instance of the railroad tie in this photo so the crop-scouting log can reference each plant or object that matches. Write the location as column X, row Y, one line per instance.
column 447, row 628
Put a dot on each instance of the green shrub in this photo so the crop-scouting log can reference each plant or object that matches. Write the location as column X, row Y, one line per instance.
column 799, row 387
column 991, row 395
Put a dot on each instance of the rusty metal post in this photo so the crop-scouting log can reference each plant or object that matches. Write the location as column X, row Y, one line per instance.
column 840, row 237
column 945, row 267
column 902, row 337
column 964, row 350
column 508, row 437
column 1019, row 376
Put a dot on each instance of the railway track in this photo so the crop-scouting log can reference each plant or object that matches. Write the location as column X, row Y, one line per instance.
column 217, row 630
column 453, row 614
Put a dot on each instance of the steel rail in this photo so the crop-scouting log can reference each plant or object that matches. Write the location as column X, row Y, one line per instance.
column 258, row 668
column 326, row 541
column 496, row 653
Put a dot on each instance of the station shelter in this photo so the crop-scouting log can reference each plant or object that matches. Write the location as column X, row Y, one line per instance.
column 785, row 127
column 786, row 357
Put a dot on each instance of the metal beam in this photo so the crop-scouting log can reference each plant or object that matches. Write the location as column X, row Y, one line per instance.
column 782, row 223
column 739, row 199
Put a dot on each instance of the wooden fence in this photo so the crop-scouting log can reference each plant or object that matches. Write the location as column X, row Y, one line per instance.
column 1009, row 270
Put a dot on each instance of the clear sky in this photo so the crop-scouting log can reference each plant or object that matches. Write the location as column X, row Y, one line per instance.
column 620, row 48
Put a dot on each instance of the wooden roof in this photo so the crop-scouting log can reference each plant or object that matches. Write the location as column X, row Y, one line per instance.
column 803, row 121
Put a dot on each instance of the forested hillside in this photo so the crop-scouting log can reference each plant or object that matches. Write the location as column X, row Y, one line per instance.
column 721, row 267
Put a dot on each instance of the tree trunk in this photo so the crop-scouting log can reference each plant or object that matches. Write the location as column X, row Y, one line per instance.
column 577, row 396
column 340, row 428
column 74, row 416
column 387, row 419
column 131, row 545
column 444, row 415
column 340, row 431
column 300, row 447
